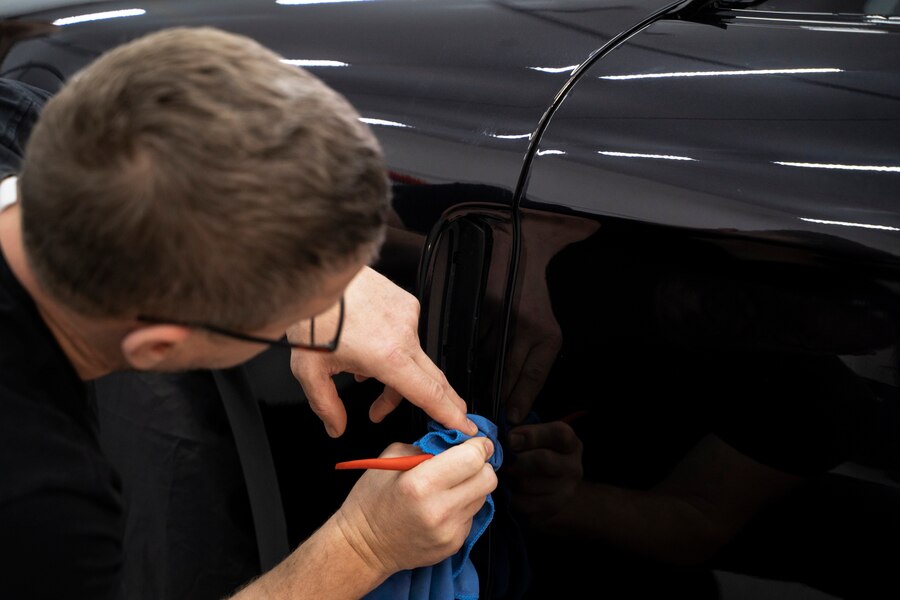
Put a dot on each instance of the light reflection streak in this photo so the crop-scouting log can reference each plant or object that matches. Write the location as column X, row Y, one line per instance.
column 794, row 21
column 302, row 62
column 510, row 136
column 638, row 155
column 299, row 2
column 843, row 29
column 724, row 73
column 110, row 14
column 568, row 69
column 849, row 224
column 877, row 168
column 384, row 123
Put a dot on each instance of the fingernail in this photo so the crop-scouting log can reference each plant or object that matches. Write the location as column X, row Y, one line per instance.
column 473, row 428
column 331, row 431
column 516, row 441
column 489, row 447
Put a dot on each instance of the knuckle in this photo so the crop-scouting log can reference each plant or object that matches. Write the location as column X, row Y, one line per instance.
column 577, row 446
column 415, row 488
column 489, row 477
column 443, row 381
column 472, row 455
column 449, row 541
column 322, row 409
column 527, row 434
column 395, row 356
column 569, row 440
column 554, row 341
column 430, row 522
column 578, row 473
column 411, row 304
column 534, row 373
column 395, row 448
column 435, row 388
column 547, row 460
column 456, row 541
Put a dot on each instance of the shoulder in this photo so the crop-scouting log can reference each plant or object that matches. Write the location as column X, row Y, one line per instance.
column 20, row 105
column 12, row 90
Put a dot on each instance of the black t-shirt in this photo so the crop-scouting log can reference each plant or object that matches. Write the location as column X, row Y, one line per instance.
column 60, row 508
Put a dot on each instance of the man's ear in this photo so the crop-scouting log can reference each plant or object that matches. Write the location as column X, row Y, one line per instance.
column 148, row 348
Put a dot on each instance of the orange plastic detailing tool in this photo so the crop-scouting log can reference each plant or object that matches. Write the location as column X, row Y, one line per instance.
column 396, row 463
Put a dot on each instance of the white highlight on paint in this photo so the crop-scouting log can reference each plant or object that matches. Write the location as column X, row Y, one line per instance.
column 568, row 69
column 843, row 29
column 302, row 62
column 848, row 224
column 384, row 122
column 546, row 152
column 110, row 14
column 877, row 168
column 638, row 155
column 511, row 136
column 723, row 73
column 298, row 2
column 814, row 21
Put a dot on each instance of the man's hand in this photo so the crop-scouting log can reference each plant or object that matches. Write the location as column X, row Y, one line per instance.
column 403, row 520
column 391, row 521
column 381, row 340
column 533, row 349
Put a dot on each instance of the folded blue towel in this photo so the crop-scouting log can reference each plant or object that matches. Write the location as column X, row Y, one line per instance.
column 454, row 578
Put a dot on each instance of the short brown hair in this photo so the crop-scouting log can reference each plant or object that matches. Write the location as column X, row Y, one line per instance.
column 191, row 174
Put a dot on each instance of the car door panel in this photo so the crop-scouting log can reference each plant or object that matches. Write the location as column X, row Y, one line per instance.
column 709, row 231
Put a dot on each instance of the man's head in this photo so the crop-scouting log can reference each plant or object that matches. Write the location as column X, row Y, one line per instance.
column 190, row 175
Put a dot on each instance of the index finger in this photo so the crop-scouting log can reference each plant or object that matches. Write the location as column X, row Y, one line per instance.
column 524, row 385
column 420, row 381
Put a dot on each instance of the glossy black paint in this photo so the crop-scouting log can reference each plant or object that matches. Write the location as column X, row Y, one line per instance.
column 645, row 230
column 727, row 181
column 449, row 76
column 738, row 123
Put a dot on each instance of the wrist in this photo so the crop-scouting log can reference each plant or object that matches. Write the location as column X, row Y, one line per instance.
column 327, row 565
column 354, row 539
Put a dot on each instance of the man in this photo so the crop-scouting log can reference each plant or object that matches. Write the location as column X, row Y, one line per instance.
column 183, row 195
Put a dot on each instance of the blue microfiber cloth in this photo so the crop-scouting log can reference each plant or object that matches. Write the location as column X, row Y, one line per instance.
column 454, row 578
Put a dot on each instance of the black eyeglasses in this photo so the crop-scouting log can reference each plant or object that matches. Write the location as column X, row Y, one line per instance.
column 309, row 344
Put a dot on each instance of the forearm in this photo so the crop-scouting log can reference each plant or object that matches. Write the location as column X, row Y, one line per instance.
column 690, row 515
column 655, row 525
column 327, row 565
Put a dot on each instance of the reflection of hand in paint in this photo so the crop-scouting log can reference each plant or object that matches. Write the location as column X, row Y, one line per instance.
column 536, row 336
column 546, row 473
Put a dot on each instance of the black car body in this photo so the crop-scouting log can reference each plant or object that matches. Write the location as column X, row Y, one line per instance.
column 671, row 220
